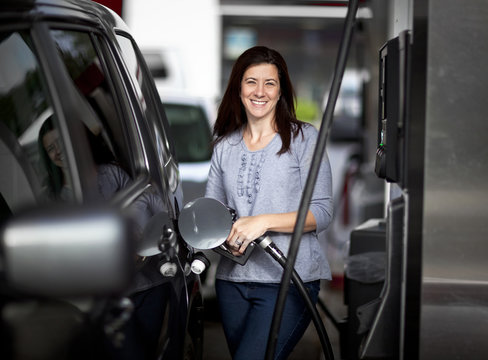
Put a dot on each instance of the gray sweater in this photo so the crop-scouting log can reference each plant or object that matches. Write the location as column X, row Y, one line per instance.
column 261, row 182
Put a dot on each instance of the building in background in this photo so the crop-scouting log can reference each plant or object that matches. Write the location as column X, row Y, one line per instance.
column 182, row 40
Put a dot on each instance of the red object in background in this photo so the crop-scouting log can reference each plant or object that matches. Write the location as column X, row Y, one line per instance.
column 115, row 5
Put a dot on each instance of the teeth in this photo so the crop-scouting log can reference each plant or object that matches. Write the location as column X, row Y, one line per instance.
column 258, row 102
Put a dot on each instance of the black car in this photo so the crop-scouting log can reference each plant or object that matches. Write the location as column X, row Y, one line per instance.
column 90, row 194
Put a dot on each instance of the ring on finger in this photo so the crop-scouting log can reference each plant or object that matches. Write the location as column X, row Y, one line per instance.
column 238, row 243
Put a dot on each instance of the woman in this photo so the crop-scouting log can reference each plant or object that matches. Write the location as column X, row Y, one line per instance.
column 57, row 182
column 262, row 155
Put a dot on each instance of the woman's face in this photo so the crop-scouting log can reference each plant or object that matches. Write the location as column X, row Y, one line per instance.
column 51, row 144
column 260, row 91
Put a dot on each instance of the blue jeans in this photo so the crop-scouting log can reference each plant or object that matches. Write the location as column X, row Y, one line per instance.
column 247, row 311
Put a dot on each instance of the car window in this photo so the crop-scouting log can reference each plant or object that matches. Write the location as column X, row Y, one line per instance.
column 106, row 136
column 190, row 130
column 111, row 145
column 34, row 168
column 151, row 105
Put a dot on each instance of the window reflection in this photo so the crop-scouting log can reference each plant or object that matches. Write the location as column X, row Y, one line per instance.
column 152, row 109
column 29, row 174
column 22, row 95
column 105, row 134
column 85, row 68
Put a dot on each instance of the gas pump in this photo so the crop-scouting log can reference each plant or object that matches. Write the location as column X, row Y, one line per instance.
column 393, row 81
column 374, row 310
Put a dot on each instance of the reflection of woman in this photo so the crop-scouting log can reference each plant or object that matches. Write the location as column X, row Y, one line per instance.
column 259, row 168
column 52, row 158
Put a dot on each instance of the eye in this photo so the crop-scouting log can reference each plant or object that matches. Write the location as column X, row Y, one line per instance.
column 51, row 148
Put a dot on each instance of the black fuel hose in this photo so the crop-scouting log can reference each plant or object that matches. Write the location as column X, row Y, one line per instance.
column 312, row 177
column 271, row 248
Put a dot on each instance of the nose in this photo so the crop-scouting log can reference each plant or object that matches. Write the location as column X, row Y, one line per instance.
column 259, row 90
column 57, row 148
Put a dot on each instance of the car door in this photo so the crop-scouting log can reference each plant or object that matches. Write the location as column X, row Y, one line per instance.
column 40, row 169
column 130, row 153
column 68, row 75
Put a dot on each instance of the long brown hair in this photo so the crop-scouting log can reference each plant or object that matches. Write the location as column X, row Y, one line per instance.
column 232, row 115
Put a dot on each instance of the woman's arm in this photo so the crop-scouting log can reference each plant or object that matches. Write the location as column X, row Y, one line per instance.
column 286, row 222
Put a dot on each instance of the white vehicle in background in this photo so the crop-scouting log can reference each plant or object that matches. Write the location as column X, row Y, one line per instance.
column 191, row 120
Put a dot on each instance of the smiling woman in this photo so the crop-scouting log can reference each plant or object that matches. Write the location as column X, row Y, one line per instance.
column 261, row 158
column 51, row 153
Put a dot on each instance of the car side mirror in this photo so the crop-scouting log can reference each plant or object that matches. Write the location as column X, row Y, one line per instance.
column 67, row 252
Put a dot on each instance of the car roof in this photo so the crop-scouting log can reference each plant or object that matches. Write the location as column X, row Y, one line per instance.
column 76, row 11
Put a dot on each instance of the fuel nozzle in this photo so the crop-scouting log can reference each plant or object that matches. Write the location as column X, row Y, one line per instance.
column 270, row 247
column 200, row 263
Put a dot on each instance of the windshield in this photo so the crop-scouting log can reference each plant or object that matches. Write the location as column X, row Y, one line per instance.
column 191, row 131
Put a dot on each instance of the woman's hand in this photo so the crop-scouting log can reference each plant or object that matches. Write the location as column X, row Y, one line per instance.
column 244, row 231
column 248, row 228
